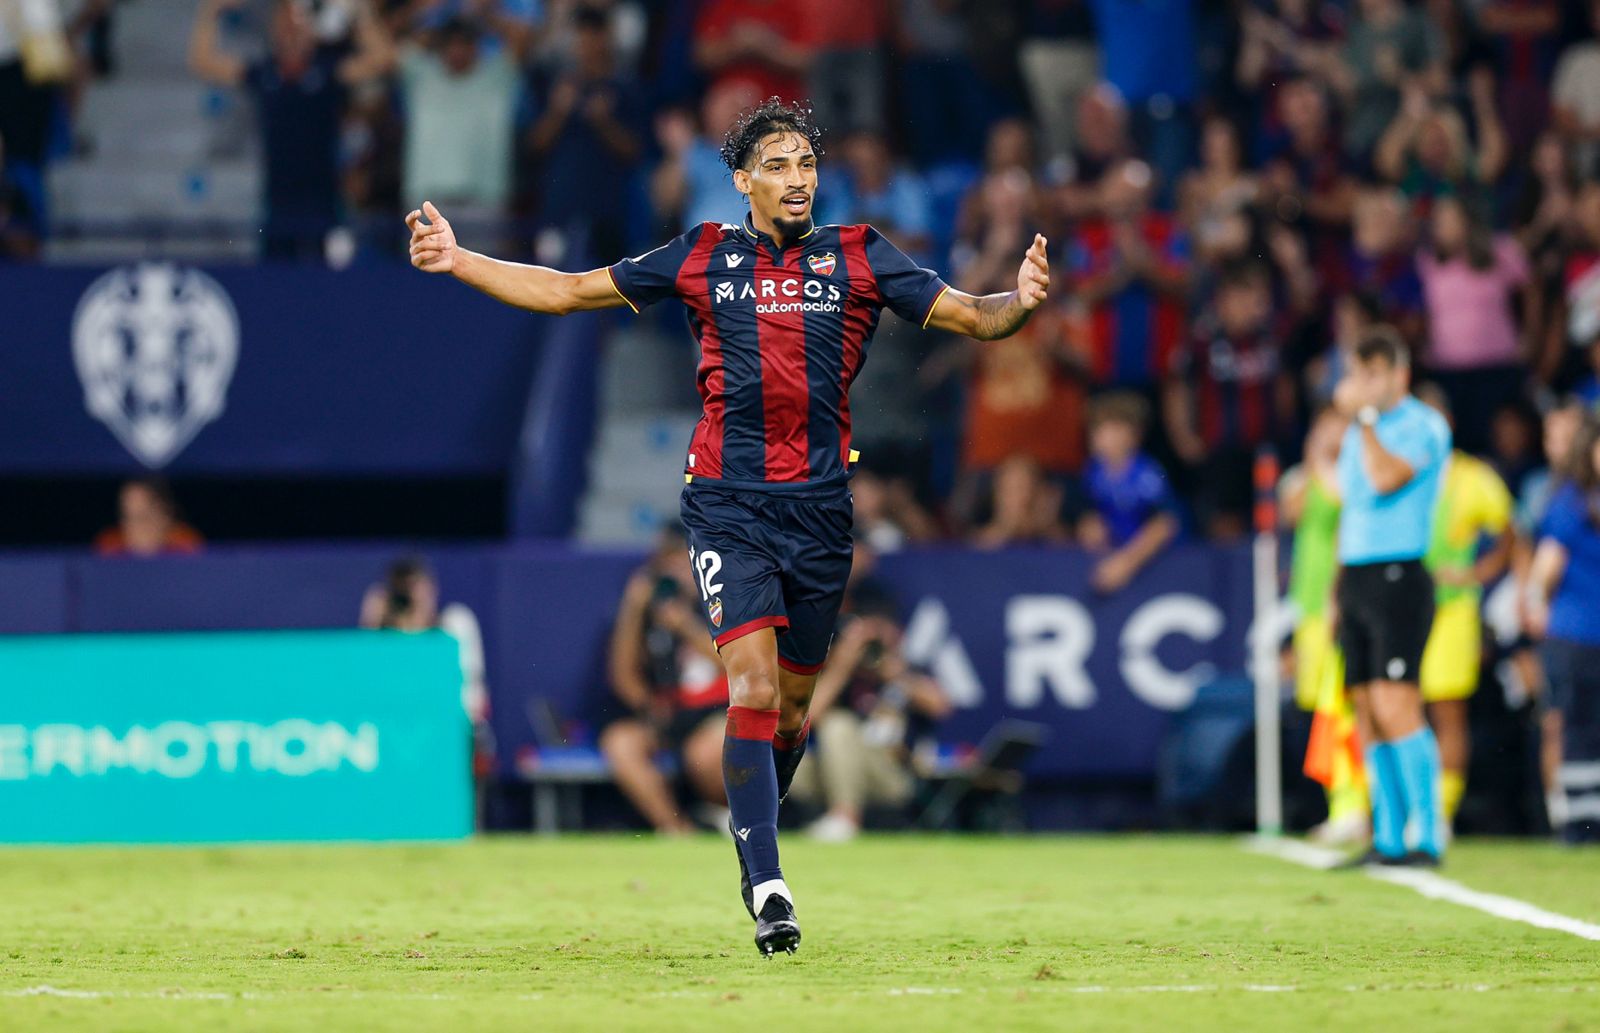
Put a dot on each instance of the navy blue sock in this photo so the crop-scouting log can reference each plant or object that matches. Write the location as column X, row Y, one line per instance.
column 751, row 778
column 786, row 753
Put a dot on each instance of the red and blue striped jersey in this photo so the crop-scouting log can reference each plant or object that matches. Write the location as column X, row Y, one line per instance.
column 783, row 333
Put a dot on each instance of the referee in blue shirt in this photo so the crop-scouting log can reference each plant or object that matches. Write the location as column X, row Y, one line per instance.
column 1390, row 467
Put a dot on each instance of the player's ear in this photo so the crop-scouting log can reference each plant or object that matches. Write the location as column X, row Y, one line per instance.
column 741, row 181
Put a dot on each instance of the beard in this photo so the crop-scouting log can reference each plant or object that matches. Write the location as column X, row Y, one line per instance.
column 792, row 228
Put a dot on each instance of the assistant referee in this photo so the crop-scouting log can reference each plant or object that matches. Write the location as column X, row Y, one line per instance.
column 1390, row 468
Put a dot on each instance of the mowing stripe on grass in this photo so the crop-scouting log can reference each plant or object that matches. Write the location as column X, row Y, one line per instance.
column 1430, row 885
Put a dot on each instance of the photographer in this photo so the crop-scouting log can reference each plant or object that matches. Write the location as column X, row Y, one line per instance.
column 868, row 707
column 408, row 600
column 670, row 692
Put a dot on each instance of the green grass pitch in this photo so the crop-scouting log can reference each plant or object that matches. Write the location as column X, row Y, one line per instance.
column 901, row 933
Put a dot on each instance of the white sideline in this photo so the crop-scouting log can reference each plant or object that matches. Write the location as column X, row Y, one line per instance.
column 1430, row 885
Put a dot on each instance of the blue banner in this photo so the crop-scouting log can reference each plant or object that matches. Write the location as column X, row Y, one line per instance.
column 1017, row 633
column 260, row 370
column 232, row 737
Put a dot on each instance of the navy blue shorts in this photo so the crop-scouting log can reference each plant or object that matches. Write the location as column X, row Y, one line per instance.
column 771, row 561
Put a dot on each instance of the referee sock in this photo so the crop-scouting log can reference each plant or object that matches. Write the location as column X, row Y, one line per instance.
column 1418, row 758
column 750, row 776
column 786, row 753
column 1388, row 800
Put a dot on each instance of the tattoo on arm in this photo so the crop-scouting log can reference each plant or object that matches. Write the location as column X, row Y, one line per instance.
column 996, row 315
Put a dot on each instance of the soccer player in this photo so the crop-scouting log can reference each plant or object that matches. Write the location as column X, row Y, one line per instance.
column 784, row 310
column 1473, row 504
column 1390, row 465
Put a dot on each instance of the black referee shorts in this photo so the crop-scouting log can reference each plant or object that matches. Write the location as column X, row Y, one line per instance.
column 1385, row 617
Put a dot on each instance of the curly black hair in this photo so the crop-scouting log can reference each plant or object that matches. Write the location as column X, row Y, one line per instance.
column 770, row 116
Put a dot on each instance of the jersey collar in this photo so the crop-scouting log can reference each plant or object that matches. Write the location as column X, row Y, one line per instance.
column 749, row 227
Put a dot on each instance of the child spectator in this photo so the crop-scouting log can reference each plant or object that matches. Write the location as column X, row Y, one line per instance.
column 1133, row 514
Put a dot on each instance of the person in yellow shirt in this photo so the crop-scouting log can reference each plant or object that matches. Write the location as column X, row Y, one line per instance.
column 1308, row 498
column 1473, row 505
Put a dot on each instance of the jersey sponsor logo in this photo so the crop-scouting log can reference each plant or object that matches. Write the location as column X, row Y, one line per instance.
column 155, row 347
column 822, row 265
column 734, row 260
column 780, row 296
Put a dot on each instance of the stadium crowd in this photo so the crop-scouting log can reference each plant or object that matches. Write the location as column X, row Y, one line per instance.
column 1232, row 189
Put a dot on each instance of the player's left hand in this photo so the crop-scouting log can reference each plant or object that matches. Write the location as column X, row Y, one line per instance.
column 1033, row 279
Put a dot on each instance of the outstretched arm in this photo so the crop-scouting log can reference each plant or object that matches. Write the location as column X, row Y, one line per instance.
column 993, row 316
column 532, row 287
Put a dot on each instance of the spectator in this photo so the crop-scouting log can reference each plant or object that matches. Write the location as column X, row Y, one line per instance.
column 587, row 141
column 1525, row 45
column 763, row 43
column 847, row 72
column 1576, row 320
column 1383, row 262
column 408, row 600
column 148, row 523
column 1026, row 507
column 945, row 105
column 869, row 706
column 690, row 185
column 460, row 102
column 29, row 85
column 1133, row 515
column 1220, row 187
column 1389, row 47
column 888, row 516
column 1543, row 215
column 1284, row 42
column 1308, row 176
column 513, row 24
column 1561, row 425
column 1025, row 396
column 299, row 92
column 1353, row 315
column 19, row 225
column 1148, row 53
column 1565, row 612
column 1575, row 99
column 1129, row 266
column 877, row 189
column 1427, row 153
column 672, row 693
column 1514, row 443
column 1469, row 280
column 1101, row 142
column 1228, row 394
column 1059, row 62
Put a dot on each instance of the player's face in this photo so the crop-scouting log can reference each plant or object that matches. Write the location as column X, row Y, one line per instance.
column 782, row 183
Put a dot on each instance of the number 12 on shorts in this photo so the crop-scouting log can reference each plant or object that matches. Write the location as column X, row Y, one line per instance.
column 706, row 565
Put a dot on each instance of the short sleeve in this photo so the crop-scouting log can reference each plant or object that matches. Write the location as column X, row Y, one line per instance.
column 1511, row 259
column 1155, row 491
column 909, row 290
column 1496, row 502
column 1563, row 521
column 653, row 276
column 1420, row 441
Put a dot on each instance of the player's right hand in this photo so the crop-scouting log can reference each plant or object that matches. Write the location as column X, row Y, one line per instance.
column 433, row 244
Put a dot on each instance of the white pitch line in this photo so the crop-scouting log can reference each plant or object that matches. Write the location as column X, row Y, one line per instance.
column 1431, row 885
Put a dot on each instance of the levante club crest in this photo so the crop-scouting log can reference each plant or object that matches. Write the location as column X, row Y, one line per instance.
column 822, row 265
column 716, row 612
